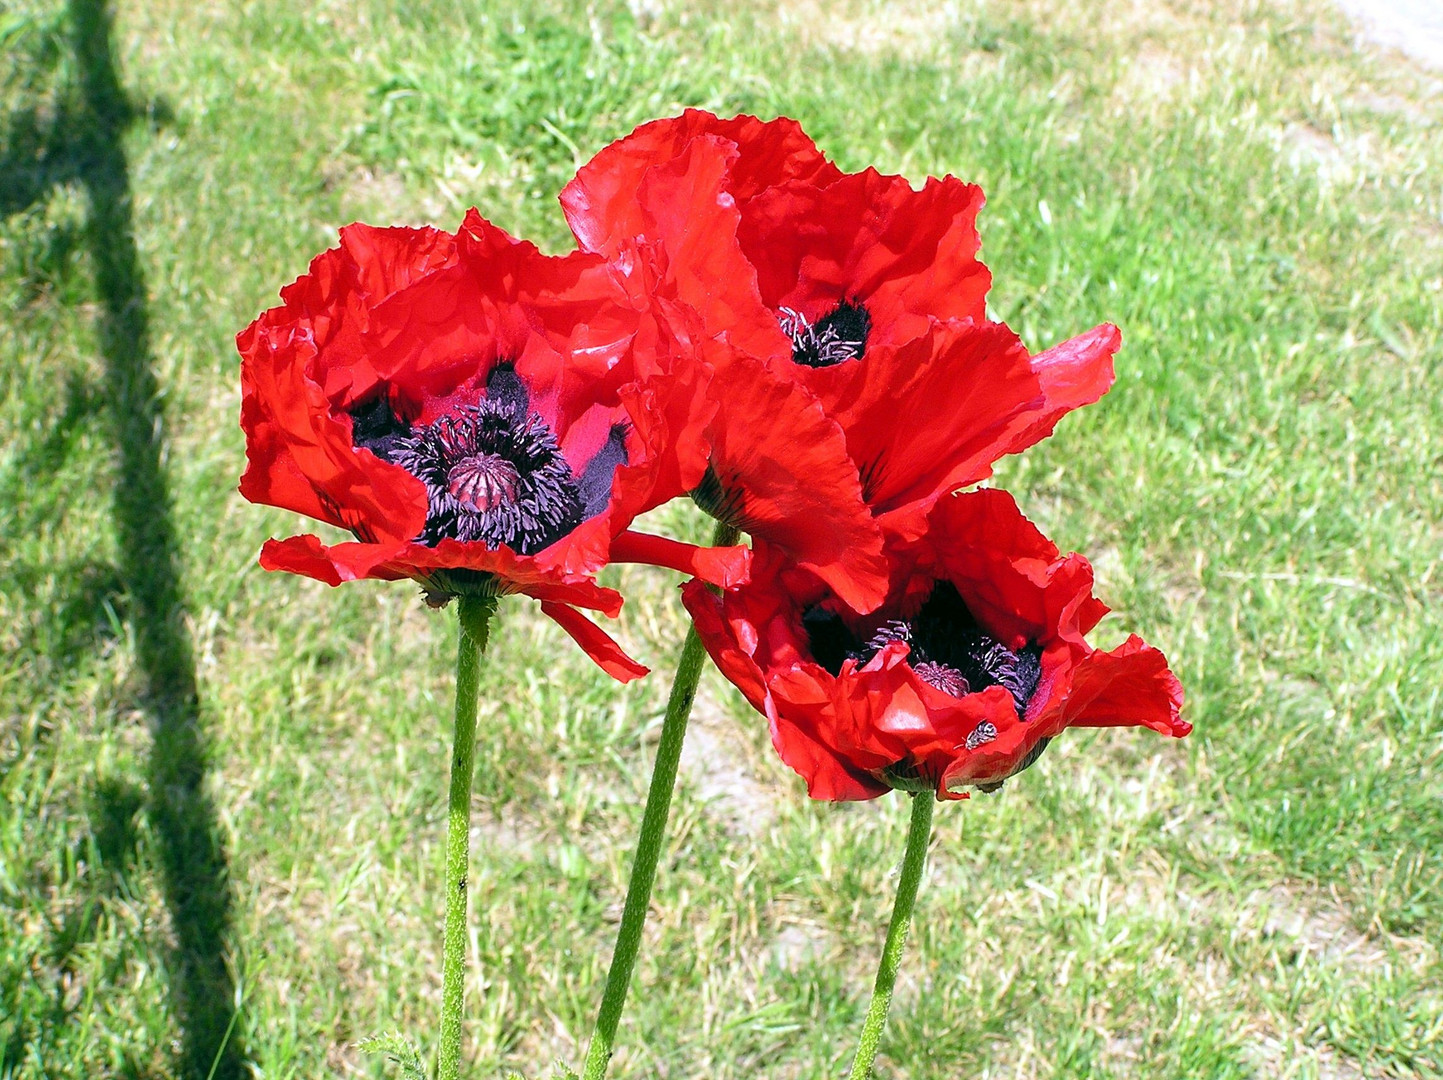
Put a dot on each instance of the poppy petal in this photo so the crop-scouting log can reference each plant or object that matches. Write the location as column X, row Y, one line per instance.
column 1012, row 577
column 783, row 474
column 724, row 567
column 957, row 385
column 731, row 658
column 1130, row 686
column 595, row 642
column 600, row 203
column 308, row 556
column 907, row 256
column 1073, row 374
column 1003, row 663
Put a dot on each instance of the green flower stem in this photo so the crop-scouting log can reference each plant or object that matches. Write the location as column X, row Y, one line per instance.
column 919, row 831
column 648, row 847
column 474, row 618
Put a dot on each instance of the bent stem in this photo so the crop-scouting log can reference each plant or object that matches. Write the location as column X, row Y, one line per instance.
column 648, row 847
column 919, row 831
column 474, row 619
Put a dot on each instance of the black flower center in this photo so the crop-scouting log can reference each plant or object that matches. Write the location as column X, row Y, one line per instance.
column 375, row 426
column 838, row 336
column 494, row 472
column 949, row 650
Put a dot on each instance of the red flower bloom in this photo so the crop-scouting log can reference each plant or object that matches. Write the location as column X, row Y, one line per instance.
column 857, row 289
column 823, row 264
column 767, row 460
column 469, row 409
column 976, row 661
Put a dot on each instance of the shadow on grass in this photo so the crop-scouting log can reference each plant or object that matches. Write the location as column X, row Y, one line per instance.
column 80, row 142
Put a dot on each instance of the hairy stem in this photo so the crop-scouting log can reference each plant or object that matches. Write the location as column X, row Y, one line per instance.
column 474, row 618
column 919, row 831
column 648, row 847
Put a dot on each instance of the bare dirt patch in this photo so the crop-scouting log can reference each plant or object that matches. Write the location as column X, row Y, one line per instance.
column 382, row 198
column 1304, row 147
column 798, row 944
column 1414, row 27
column 1153, row 73
column 873, row 29
column 1320, row 926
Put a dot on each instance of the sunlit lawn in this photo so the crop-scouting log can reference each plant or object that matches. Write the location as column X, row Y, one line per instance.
column 1257, row 205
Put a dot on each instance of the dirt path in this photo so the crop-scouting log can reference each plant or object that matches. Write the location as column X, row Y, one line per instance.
column 1414, row 26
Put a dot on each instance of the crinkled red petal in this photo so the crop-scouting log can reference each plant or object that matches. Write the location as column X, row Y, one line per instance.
column 304, row 359
column 840, row 732
column 1073, row 374
column 734, row 657
column 1012, row 578
column 927, row 417
column 595, row 642
column 784, row 468
column 335, row 563
column 308, row 556
column 834, row 731
column 735, row 629
column 1131, row 686
column 991, row 761
column 806, row 725
column 601, row 204
column 299, row 455
column 725, row 567
column 567, row 323
column 335, row 298
column 693, row 260
column 671, row 413
column 765, row 613
column 908, row 256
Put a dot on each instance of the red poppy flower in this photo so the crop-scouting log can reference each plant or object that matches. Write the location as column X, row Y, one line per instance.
column 859, row 290
column 469, row 409
column 824, row 263
column 976, row 661
column 766, row 460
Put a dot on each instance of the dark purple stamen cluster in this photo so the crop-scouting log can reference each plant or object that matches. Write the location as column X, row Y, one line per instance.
column 494, row 473
column 949, row 650
column 836, row 337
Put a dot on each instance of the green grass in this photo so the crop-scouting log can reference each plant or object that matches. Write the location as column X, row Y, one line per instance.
column 1258, row 206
